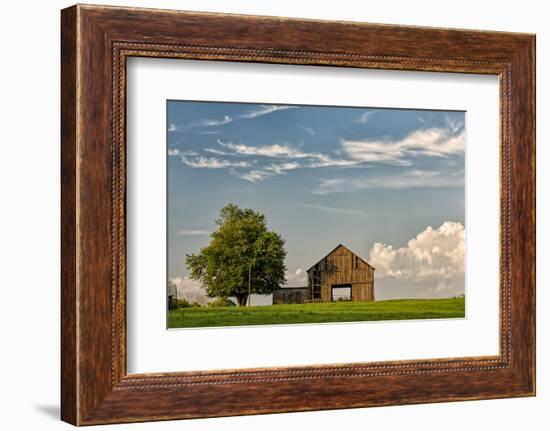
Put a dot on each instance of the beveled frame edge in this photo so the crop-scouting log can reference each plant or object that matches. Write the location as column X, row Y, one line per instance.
column 96, row 41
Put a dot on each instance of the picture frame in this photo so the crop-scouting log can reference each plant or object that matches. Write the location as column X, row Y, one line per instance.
column 96, row 42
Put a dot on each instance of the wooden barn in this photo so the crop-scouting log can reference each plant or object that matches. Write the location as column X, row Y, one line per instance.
column 341, row 276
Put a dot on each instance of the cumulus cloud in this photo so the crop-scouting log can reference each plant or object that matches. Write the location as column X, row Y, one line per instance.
column 430, row 265
column 190, row 290
column 296, row 278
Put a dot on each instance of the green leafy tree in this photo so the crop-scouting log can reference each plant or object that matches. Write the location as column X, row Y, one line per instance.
column 243, row 256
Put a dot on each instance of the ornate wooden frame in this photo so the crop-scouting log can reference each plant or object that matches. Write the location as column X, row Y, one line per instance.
column 95, row 43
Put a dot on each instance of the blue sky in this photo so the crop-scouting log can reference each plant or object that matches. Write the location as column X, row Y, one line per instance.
column 371, row 179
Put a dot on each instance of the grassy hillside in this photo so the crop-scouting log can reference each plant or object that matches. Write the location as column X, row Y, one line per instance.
column 197, row 317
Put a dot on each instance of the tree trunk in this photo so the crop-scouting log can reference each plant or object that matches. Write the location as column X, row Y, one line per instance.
column 249, row 282
column 241, row 299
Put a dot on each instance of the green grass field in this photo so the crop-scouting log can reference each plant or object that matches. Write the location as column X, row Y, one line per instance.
column 403, row 309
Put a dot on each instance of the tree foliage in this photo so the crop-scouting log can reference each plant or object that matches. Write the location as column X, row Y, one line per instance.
column 241, row 248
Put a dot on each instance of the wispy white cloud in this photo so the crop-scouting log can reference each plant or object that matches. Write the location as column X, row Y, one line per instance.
column 216, row 122
column 430, row 142
column 192, row 232
column 253, row 176
column 214, row 163
column 226, row 119
column 331, row 210
column 285, row 151
column 257, row 175
column 407, row 180
column 424, row 142
column 274, row 150
column 453, row 124
column 281, row 168
column 178, row 153
column 365, row 117
column 325, row 161
column 194, row 160
column 216, row 151
column 207, row 122
column 264, row 110
column 307, row 129
column 374, row 152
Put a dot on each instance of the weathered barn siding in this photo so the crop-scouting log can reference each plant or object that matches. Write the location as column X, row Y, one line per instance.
column 362, row 292
column 340, row 268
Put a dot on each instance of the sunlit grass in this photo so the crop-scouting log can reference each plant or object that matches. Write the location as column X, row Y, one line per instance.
column 403, row 309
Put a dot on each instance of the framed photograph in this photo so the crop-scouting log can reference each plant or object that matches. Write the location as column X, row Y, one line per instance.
column 254, row 205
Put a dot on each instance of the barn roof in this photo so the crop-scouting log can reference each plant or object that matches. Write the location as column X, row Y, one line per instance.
column 336, row 248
